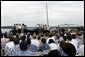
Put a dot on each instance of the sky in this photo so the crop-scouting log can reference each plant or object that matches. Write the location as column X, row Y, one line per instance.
column 32, row 13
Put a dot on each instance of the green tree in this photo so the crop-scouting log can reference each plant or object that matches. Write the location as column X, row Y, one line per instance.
column 80, row 28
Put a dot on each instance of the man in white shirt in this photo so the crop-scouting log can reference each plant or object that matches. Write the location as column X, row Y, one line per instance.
column 52, row 44
column 49, row 39
column 9, row 45
column 80, row 49
column 53, row 37
column 74, row 41
column 34, row 41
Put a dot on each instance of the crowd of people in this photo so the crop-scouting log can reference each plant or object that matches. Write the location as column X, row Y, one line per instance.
column 62, row 43
column 22, row 28
column 19, row 28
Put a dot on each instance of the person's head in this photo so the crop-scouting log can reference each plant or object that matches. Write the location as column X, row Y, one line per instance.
column 19, row 24
column 68, row 33
column 50, row 35
column 69, row 37
column 62, row 43
column 28, row 41
column 43, row 40
column 65, row 38
column 11, row 36
column 69, row 49
column 42, row 35
column 39, row 37
column 5, row 34
column 61, row 35
column 23, row 24
column 57, row 35
column 14, row 24
column 73, row 36
column 23, row 46
column 47, row 34
column 21, row 34
column 54, row 53
column 17, row 35
column 16, row 41
column 54, row 34
column 28, row 35
column 78, row 34
column 51, row 41
column 23, row 38
column 34, row 36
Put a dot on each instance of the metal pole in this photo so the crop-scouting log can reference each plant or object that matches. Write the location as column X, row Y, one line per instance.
column 47, row 15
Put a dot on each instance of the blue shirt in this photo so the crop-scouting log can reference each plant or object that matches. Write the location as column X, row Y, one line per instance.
column 25, row 53
column 32, row 48
column 12, row 51
column 62, row 52
column 44, row 47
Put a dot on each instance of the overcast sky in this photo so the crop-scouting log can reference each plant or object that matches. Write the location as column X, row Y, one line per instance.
column 34, row 12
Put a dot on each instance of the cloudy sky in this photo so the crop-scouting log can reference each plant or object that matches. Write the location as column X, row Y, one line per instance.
column 34, row 12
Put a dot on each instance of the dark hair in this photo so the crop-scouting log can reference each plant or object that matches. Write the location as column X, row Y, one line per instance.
column 69, row 49
column 23, row 24
column 47, row 34
column 23, row 45
column 42, row 35
column 5, row 34
column 50, row 35
column 39, row 37
column 43, row 40
column 73, row 36
column 16, row 41
column 54, row 53
column 51, row 41
column 62, row 43
column 61, row 35
column 11, row 37
column 69, row 37
column 53, row 33
column 23, row 38
column 28, row 41
column 68, row 34
column 78, row 34
column 28, row 35
column 65, row 38
column 17, row 35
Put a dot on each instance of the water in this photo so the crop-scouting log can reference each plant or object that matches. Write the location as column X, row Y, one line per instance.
column 5, row 30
